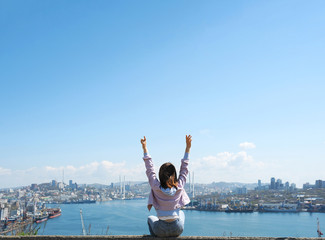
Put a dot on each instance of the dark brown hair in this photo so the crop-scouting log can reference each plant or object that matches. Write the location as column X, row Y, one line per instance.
column 168, row 175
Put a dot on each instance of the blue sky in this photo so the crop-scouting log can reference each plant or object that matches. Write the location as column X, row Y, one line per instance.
column 82, row 81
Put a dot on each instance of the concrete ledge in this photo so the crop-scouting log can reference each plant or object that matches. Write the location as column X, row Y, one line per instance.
column 143, row 237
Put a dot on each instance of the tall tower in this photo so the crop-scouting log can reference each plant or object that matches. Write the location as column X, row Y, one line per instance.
column 189, row 182
column 193, row 186
column 124, row 188
column 120, row 187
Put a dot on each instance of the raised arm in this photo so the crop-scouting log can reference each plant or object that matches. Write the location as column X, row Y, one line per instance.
column 184, row 165
column 150, row 171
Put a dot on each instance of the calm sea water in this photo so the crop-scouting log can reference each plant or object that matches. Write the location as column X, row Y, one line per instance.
column 129, row 217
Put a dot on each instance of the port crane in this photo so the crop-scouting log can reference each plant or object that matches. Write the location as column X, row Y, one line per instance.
column 318, row 230
column 82, row 224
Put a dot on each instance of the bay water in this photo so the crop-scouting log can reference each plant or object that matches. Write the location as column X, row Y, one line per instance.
column 129, row 217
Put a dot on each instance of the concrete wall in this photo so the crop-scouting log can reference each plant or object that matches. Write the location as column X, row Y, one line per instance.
column 145, row 237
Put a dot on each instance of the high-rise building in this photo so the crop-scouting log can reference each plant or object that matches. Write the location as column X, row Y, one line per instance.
column 272, row 186
column 33, row 186
column 70, row 183
column 54, row 183
column 259, row 184
column 278, row 184
column 318, row 184
column 306, row 185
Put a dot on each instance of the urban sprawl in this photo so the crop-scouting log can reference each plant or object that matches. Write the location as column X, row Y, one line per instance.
column 25, row 206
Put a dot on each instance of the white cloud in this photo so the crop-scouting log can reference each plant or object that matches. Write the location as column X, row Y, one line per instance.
column 227, row 166
column 103, row 172
column 49, row 168
column 4, row 171
column 71, row 168
column 247, row 145
column 99, row 172
column 226, row 160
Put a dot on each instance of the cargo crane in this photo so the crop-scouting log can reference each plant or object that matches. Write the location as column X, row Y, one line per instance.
column 82, row 224
column 318, row 230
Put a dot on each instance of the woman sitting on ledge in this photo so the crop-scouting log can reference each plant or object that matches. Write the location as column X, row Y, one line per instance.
column 167, row 195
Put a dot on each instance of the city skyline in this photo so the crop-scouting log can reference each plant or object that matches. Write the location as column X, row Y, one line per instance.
column 82, row 82
column 273, row 184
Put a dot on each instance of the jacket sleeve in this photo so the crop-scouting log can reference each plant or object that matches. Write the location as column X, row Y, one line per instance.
column 183, row 171
column 150, row 171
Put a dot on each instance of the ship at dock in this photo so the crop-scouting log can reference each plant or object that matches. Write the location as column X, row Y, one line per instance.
column 278, row 208
column 79, row 201
column 41, row 217
column 54, row 212
column 239, row 210
column 33, row 214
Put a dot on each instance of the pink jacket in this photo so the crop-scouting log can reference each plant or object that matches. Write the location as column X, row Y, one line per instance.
column 159, row 199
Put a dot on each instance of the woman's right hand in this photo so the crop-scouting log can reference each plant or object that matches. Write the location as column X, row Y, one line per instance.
column 188, row 143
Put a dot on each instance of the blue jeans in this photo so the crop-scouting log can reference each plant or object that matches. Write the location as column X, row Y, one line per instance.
column 160, row 228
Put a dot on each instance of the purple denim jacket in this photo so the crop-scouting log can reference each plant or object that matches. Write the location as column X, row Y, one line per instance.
column 159, row 199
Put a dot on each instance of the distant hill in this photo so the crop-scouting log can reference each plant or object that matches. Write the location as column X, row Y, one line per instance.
column 220, row 185
column 232, row 185
column 99, row 185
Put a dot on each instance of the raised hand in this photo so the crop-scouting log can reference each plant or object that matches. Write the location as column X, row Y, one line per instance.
column 144, row 141
column 144, row 144
column 188, row 143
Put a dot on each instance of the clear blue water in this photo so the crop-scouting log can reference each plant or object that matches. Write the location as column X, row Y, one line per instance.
column 130, row 218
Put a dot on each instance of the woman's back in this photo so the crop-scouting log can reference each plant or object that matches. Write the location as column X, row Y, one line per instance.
column 159, row 197
column 167, row 195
